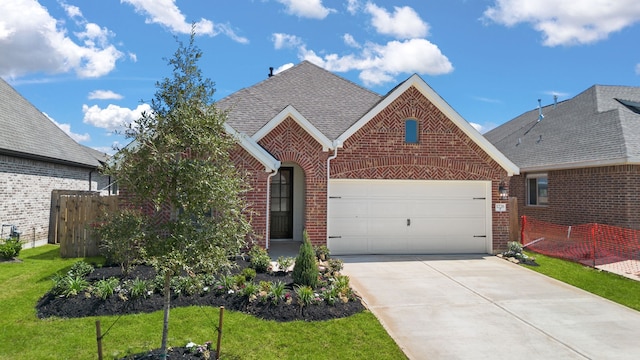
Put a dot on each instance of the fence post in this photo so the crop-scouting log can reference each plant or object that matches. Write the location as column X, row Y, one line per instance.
column 219, row 333
column 524, row 223
column 99, row 339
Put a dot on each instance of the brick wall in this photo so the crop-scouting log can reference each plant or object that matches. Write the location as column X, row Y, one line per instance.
column 606, row 195
column 25, row 192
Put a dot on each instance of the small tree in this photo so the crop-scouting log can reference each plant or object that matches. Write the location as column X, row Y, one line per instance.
column 121, row 237
column 305, row 270
column 179, row 163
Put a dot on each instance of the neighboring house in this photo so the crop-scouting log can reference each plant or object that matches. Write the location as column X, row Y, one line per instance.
column 580, row 161
column 37, row 157
column 364, row 173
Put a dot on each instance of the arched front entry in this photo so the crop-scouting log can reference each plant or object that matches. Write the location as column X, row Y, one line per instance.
column 287, row 203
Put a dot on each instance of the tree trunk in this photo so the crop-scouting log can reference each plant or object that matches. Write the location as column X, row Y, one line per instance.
column 167, row 306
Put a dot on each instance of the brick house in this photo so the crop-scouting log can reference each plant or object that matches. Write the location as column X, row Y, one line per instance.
column 365, row 173
column 579, row 159
column 37, row 157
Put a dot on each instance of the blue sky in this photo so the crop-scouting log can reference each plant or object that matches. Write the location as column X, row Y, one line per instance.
column 91, row 66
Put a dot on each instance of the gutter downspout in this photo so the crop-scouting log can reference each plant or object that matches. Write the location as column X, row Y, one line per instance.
column 268, row 207
column 335, row 155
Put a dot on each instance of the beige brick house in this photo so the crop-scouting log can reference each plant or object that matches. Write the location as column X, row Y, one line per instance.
column 37, row 157
column 366, row 173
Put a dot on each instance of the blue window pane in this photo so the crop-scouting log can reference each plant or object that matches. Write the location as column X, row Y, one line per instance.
column 411, row 131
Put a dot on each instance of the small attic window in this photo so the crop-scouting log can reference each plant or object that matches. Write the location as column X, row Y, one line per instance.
column 411, row 131
column 631, row 105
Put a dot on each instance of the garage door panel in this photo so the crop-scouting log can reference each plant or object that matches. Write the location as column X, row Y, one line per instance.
column 370, row 216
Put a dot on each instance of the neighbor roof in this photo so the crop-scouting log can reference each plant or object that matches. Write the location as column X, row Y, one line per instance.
column 26, row 132
column 595, row 128
column 330, row 103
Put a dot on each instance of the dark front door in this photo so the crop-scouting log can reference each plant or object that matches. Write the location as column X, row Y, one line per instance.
column 282, row 204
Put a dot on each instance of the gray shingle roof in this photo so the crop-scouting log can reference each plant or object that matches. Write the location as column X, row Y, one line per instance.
column 593, row 127
column 331, row 103
column 26, row 132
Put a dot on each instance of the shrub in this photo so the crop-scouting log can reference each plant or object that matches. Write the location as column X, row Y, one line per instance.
column 277, row 292
column 10, row 248
column 250, row 290
column 121, row 237
column 106, row 287
column 259, row 259
column 248, row 273
column 322, row 252
column 305, row 295
column 284, row 263
column 80, row 269
column 305, row 271
column 73, row 285
column 139, row 288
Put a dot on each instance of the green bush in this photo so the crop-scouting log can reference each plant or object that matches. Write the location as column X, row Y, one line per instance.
column 121, row 237
column 249, row 273
column 106, row 287
column 10, row 248
column 305, row 271
column 259, row 259
column 80, row 269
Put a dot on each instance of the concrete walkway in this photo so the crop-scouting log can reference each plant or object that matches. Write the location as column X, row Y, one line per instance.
column 483, row 307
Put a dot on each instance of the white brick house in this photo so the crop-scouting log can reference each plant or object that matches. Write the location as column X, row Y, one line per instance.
column 37, row 157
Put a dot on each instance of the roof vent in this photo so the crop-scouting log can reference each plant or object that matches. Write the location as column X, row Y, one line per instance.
column 555, row 101
column 270, row 71
column 540, row 116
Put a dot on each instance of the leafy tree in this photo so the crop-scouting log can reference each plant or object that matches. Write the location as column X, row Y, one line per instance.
column 178, row 168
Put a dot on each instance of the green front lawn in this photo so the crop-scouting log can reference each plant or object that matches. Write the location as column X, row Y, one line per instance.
column 607, row 285
column 24, row 336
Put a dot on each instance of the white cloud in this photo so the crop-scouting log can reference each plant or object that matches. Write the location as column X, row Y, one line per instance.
column 104, row 95
column 638, row 68
column 567, row 22
column 353, row 6
column 306, row 8
column 379, row 64
column 40, row 43
column 478, row 127
column 67, row 129
column 166, row 13
column 404, row 23
column 281, row 41
column 350, row 41
column 283, row 68
column 113, row 117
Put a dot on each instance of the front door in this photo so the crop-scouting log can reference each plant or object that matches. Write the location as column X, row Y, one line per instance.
column 282, row 204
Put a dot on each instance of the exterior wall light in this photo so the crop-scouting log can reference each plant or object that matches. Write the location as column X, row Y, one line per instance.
column 503, row 191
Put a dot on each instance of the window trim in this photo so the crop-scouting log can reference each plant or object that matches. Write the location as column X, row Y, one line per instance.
column 416, row 125
column 528, row 190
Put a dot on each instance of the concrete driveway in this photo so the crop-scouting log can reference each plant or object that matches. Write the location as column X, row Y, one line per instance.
column 483, row 307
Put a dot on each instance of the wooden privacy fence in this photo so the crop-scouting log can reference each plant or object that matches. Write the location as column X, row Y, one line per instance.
column 71, row 219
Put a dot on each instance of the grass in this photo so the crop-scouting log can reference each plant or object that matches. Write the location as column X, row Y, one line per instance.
column 24, row 336
column 607, row 285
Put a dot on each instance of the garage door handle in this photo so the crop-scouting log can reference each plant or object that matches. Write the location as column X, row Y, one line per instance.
column 484, row 236
column 408, row 222
column 335, row 237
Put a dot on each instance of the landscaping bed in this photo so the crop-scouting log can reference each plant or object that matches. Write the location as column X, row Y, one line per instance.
column 87, row 302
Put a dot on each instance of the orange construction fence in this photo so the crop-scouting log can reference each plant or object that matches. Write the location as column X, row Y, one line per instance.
column 603, row 246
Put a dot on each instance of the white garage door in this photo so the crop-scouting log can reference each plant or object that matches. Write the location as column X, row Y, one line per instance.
column 409, row 217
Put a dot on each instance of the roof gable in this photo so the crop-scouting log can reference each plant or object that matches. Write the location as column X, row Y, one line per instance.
column 24, row 127
column 290, row 111
column 591, row 129
column 417, row 82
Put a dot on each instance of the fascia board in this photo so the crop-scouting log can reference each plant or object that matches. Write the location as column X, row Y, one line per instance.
column 252, row 147
column 582, row 164
column 290, row 111
column 446, row 109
